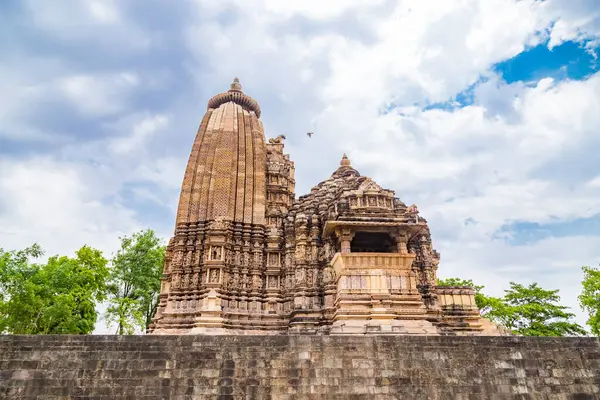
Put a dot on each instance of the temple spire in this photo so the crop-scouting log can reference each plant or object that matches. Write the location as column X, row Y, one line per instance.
column 235, row 86
column 235, row 94
column 344, row 162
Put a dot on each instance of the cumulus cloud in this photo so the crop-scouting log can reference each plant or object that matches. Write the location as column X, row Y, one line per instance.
column 98, row 95
column 48, row 202
column 105, row 138
column 142, row 130
column 99, row 22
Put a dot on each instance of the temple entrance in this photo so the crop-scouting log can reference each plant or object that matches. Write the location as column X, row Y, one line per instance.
column 372, row 242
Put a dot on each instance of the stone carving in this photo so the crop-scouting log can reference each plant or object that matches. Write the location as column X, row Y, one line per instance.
column 369, row 186
column 272, row 282
column 246, row 281
column 300, row 276
column 348, row 243
column 328, row 275
column 215, row 253
column 220, row 223
column 176, row 280
column 178, row 258
column 256, row 282
column 279, row 139
column 310, row 277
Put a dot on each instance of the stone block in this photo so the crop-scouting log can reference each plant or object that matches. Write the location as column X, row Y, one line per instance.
column 311, row 367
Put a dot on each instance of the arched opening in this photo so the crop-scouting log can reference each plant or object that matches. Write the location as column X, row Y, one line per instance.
column 372, row 242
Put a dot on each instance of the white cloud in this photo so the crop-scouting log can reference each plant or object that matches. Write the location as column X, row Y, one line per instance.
column 98, row 22
column 142, row 131
column 555, row 263
column 575, row 20
column 480, row 162
column 595, row 182
column 103, row 11
column 357, row 75
column 49, row 202
column 98, row 94
column 24, row 94
column 69, row 16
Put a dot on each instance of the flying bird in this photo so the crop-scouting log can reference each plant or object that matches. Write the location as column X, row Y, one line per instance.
column 309, row 134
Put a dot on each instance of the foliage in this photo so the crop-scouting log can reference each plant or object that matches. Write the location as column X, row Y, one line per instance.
column 57, row 297
column 533, row 311
column 135, row 282
column 524, row 310
column 484, row 303
column 590, row 297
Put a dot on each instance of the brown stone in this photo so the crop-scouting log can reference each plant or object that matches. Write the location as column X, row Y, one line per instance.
column 248, row 257
column 298, row 367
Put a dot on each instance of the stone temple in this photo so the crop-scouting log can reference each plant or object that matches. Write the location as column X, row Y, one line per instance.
column 327, row 296
column 248, row 257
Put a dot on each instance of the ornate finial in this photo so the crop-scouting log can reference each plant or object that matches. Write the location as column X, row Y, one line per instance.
column 235, row 86
column 345, row 162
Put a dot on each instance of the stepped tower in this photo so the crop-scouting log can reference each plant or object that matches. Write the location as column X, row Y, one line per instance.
column 247, row 257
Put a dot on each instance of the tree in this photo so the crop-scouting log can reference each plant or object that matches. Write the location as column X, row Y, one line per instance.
column 589, row 299
column 57, row 297
column 135, row 282
column 527, row 311
column 533, row 311
column 484, row 303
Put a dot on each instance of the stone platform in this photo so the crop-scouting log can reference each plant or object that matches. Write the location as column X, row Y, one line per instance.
column 298, row 367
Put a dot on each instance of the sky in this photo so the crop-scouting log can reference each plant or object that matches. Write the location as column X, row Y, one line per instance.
column 486, row 114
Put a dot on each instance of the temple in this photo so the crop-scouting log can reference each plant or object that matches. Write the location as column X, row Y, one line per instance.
column 248, row 257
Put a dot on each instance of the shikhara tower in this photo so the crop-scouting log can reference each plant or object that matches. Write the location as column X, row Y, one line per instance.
column 247, row 257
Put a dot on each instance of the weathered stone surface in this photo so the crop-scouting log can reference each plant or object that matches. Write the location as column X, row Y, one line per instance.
column 298, row 367
column 247, row 257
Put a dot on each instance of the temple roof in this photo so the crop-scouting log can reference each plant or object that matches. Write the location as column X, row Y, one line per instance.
column 344, row 183
column 345, row 168
column 225, row 175
column 235, row 95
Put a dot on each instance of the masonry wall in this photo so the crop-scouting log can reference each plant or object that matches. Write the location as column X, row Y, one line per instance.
column 298, row 367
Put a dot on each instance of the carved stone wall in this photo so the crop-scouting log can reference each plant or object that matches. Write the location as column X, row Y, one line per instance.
column 248, row 257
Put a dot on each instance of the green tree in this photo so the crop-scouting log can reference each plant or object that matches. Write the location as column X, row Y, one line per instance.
column 527, row 311
column 135, row 282
column 589, row 299
column 484, row 303
column 534, row 311
column 57, row 297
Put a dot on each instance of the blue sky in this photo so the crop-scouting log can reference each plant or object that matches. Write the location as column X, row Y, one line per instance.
column 574, row 59
column 486, row 112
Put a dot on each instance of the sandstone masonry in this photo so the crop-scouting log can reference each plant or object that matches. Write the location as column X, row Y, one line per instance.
column 248, row 257
column 298, row 367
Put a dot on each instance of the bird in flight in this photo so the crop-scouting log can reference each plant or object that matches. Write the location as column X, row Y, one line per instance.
column 309, row 134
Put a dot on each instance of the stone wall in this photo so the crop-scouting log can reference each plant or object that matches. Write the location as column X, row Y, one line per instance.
column 298, row 367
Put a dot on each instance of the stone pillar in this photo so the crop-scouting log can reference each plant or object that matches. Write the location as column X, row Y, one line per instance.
column 345, row 237
column 401, row 243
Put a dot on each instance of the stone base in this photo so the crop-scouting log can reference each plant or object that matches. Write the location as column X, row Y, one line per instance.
column 235, row 332
column 292, row 368
column 491, row 329
column 386, row 327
